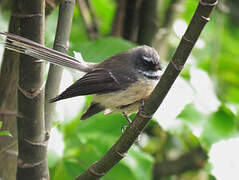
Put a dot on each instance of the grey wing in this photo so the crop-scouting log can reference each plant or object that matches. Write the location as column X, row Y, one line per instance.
column 98, row 81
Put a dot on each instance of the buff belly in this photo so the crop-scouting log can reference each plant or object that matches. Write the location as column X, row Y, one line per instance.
column 128, row 100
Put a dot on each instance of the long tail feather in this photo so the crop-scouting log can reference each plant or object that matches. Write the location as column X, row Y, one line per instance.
column 25, row 46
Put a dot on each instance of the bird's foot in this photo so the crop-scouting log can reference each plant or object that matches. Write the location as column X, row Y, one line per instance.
column 125, row 127
column 128, row 119
column 142, row 105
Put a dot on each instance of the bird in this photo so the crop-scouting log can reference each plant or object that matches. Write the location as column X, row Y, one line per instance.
column 119, row 84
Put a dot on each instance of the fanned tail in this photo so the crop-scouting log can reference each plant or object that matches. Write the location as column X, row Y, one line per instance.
column 25, row 46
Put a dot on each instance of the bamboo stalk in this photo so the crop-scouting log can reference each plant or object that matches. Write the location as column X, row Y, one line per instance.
column 118, row 22
column 8, row 105
column 89, row 19
column 148, row 24
column 32, row 162
column 131, row 20
column 55, row 72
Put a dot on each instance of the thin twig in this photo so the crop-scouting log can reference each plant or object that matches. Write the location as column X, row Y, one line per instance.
column 118, row 23
column 195, row 159
column 89, row 19
column 95, row 24
column 161, row 41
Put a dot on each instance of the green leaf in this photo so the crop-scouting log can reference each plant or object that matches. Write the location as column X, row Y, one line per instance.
column 139, row 163
column 99, row 124
column 104, row 10
column 232, row 95
column 190, row 7
column 101, row 49
column 119, row 172
column 53, row 159
column 220, row 125
column 60, row 172
column 5, row 133
column 78, row 30
column 191, row 114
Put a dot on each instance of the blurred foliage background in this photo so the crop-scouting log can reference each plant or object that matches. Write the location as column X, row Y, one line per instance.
column 194, row 134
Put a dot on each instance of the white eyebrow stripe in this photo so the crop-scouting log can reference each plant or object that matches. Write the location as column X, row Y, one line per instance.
column 148, row 59
column 151, row 73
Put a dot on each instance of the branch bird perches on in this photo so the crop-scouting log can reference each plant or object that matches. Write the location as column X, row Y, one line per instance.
column 120, row 148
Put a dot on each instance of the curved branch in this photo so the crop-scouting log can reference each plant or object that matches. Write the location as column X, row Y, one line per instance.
column 193, row 160
column 120, row 148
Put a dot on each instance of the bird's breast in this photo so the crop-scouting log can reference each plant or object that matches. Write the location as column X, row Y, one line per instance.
column 129, row 97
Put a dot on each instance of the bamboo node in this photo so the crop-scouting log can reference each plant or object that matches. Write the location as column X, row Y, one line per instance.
column 47, row 136
column 144, row 115
column 18, row 15
column 33, row 94
column 23, row 164
column 122, row 155
column 20, row 115
column 41, row 143
column 8, row 112
column 68, row 1
column 65, row 47
column 203, row 17
column 91, row 169
column 188, row 40
column 12, row 153
column 208, row 4
column 177, row 66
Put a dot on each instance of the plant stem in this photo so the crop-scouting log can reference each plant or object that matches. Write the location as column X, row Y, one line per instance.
column 32, row 162
column 55, row 72
column 89, row 19
column 8, row 105
column 118, row 22
column 148, row 24
column 131, row 20
column 195, row 159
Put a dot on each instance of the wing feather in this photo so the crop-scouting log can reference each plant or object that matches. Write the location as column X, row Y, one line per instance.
column 98, row 81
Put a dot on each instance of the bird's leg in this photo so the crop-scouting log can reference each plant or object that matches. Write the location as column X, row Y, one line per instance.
column 125, row 127
column 142, row 105
column 128, row 119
